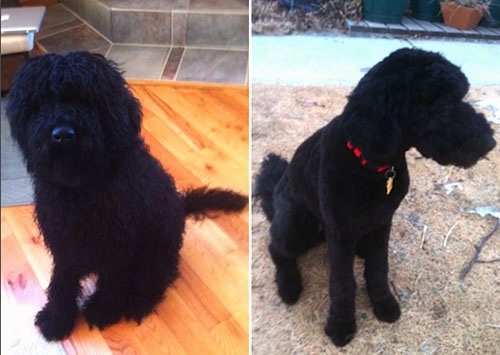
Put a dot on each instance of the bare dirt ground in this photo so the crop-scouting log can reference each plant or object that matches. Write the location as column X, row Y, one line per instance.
column 434, row 237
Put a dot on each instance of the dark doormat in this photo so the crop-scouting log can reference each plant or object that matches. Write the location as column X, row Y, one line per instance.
column 16, row 183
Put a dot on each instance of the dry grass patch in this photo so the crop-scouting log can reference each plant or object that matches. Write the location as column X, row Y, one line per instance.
column 268, row 17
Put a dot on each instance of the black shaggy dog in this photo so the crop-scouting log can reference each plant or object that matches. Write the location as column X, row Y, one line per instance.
column 103, row 203
column 345, row 182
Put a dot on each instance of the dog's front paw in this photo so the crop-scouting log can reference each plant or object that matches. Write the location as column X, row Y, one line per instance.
column 289, row 286
column 387, row 310
column 100, row 313
column 55, row 324
column 340, row 331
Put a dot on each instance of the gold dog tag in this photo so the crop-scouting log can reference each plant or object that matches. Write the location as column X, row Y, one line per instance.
column 389, row 175
column 388, row 185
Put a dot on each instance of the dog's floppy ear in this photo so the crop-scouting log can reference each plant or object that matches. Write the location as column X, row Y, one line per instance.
column 372, row 119
column 102, row 75
column 24, row 97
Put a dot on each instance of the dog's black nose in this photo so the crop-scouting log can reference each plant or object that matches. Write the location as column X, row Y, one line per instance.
column 63, row 134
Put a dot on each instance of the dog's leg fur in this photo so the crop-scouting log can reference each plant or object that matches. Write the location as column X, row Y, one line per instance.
column 293, row 229
column 287, row 277
column 57, row 318
column 106, row 305
column 293, row 232
column 373, row 248
column 149, row 278
column 341, row 324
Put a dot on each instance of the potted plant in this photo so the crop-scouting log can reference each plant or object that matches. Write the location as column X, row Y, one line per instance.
column 384, row 11
column 463, row 14
column 427, row 10
column 492, row 17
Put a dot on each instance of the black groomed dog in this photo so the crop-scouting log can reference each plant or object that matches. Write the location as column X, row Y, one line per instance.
column 104, row 205
column 345, row 182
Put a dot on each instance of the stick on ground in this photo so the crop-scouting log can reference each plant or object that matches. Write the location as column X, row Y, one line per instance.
column 478, row 247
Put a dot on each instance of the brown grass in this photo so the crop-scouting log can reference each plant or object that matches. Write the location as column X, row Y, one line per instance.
column 268, row 17
column 433, row 238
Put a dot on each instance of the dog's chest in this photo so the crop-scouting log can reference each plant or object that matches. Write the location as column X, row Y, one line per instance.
column 360, row 196
column 84, row 226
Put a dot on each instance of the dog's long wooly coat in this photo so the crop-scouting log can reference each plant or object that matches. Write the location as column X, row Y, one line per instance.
column 103, row 204
column 345, row 182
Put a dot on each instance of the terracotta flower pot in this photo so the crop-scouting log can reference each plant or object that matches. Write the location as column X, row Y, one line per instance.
column 461, row 17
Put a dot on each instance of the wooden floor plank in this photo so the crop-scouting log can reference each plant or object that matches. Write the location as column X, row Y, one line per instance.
column 20, row 219
column 200, row 135
column 230, row 336
column 186, row 326
column 201, row 142
column 230, row 290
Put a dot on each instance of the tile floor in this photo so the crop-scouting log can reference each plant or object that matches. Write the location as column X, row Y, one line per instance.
column 197, row 58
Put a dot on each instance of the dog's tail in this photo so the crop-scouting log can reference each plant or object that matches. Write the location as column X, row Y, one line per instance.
column 272, row 169
column 199, row 201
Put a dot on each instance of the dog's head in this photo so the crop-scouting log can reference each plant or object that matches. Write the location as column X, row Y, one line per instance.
column 414, row 98
column 72, row 116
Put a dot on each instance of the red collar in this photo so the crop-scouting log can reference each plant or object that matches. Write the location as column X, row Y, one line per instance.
column 359, row 154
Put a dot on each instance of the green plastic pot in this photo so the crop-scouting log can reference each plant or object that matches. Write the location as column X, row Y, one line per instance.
column 492, row 16
column 384, row 11
column 426, row 10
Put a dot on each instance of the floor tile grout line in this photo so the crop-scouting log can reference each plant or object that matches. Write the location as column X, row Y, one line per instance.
column 84, row 23
column 229, row 48
column 180, row 63
column 165, row 63
column 230, row 12
column 40, row 34
column 109, row 45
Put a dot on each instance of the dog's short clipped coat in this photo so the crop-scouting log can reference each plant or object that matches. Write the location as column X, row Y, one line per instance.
column 345, row 182
column 104, row 205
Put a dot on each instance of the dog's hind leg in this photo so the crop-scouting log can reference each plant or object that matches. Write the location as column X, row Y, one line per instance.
column 293, row 232
column 132, row 293
column 57, row 318
column 288, row 278
column 373, row 248
column 107, row 304
column 148, row 289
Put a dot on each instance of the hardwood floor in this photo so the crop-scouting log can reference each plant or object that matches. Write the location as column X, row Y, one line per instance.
column 200, row 134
